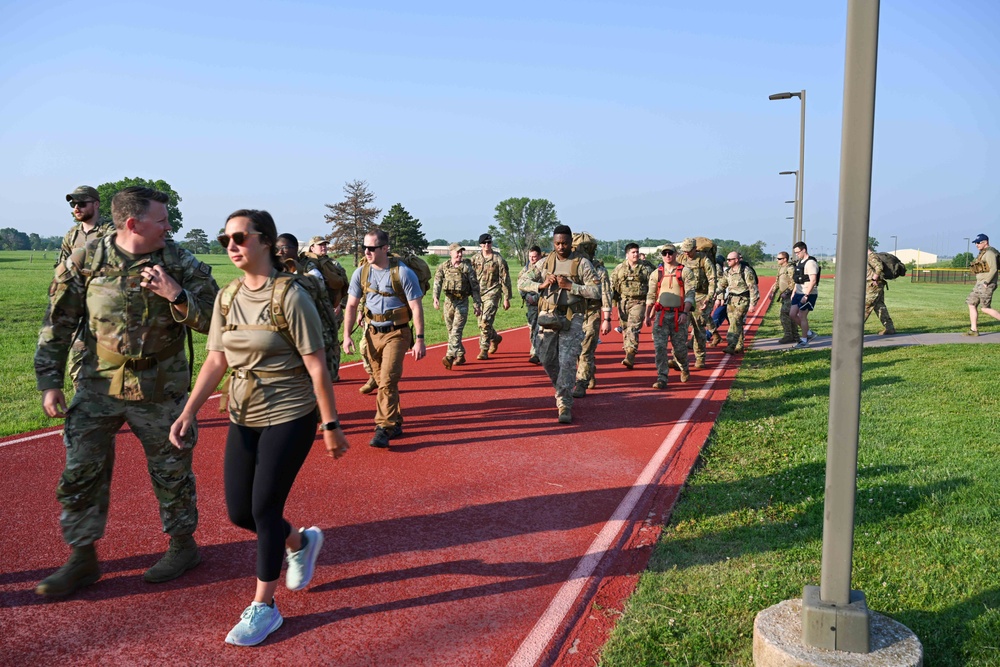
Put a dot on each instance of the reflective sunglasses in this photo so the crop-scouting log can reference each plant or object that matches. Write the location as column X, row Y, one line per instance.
column 239, row 237
column 732, row 259
column 80, row 204
column 372, row 248
column 668, row 252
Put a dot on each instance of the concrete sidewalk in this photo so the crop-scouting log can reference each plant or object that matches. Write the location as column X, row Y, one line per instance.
column 896, row 340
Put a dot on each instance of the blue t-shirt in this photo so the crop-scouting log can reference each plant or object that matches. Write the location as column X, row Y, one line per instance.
column 381, row 280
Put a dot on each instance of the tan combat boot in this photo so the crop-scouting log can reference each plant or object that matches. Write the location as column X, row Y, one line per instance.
column 565, row 416
column 685, row 375
column 580, row 389
column 446, row 362
column 368, row 387
column 716, row 339
column 483, row 355
column 699, row 363
column 629, row 360
column 80, row 570
column 495, row 344
column 181, row 556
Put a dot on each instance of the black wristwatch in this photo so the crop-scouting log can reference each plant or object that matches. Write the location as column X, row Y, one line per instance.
column 420, row 335
column 181, row 299
column 330, row 426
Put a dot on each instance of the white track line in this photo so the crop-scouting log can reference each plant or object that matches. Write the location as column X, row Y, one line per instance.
column 533, row 646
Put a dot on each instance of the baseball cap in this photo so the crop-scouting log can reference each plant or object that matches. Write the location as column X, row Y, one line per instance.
column 670, row 247
column 455, row 246
column 981, row 238
column 83, row 193
column 485, row 238
column 317, row 239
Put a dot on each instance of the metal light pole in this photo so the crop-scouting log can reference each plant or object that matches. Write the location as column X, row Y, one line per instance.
column 968, row 251
column 797, row 220
column 802, row 154
column 895, row 241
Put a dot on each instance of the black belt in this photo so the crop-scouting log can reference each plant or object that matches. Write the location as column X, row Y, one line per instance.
column 741, row 294
column 394, row 327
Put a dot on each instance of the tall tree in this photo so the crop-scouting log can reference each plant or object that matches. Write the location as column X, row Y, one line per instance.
column 12, row 239
column 872, row 242
column 197, row 241
column 351, row 219
column 405, row 234
column 522, row 223
column 109, row 190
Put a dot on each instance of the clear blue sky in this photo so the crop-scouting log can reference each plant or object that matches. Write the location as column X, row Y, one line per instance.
column 635, row 119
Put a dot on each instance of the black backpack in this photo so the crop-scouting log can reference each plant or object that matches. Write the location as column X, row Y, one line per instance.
column 892, row 267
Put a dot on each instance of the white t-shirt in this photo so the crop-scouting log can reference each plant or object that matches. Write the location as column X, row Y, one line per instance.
column 811, row 269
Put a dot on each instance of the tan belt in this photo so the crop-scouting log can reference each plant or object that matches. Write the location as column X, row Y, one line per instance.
column 255, row 376
column 137, row 364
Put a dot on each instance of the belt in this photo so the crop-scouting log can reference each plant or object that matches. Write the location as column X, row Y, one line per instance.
column 741, row 294
column 394, row 327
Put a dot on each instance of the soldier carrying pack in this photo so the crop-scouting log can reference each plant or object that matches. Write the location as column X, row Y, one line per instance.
column 892, row 266
column 556, row 307
column 670, row 294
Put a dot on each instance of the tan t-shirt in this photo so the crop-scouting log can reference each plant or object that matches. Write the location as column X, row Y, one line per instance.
column 272, row 400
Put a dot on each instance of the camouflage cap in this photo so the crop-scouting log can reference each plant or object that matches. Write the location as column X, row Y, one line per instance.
column 455, row 246
column 83, row 193
column 668, row 246
column 317, row 239
column 585, row 242
column 687, row 245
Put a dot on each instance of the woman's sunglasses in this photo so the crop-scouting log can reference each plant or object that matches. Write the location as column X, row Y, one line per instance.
column 239, row 237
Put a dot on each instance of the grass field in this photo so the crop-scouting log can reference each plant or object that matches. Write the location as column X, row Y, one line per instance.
column 747, row 530
column 24, row 283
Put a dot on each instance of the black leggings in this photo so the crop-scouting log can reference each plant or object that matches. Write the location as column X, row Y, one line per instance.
column 260, row 467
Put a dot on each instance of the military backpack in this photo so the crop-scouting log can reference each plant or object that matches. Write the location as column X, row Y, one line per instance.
column 892, row 266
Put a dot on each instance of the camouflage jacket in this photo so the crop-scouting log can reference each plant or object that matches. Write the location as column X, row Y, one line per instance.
column 134, row 338
column 603, row 302
column 457, row 282
column 586, row 284
column 76, row 237
column 493, row 274
column 706, row 278
column 631, row 282
column 783, row 281
column 875, row 272
column 741, row 280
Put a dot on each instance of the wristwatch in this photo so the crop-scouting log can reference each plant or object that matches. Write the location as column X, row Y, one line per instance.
column 181, row 299
column 420, row 335
column 330, row 426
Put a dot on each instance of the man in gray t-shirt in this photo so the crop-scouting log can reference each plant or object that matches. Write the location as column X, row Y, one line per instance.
column 393, row 303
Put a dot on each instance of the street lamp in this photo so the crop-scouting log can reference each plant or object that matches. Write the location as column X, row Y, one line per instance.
column 895, row 241
column 968, row 251
column 797, row 219
column 802, row 154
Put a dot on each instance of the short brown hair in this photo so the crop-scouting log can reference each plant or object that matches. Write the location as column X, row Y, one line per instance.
column 133, row 202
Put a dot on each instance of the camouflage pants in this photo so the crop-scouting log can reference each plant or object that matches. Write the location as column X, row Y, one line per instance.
column 333, row 353
column 635, row 312
column 699, row 321
column 666, row 332
column 456, row 314
column 76, row 353
column 875, row 301
column 585, row 366
column 487, row 334
column 981, row 295
column 737, row 307
column 559, row 352
column 789, row 326
column 533, row 329
column 89, row 436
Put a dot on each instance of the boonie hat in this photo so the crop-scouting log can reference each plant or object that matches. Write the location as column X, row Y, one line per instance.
column 687, row 245
column 82, row 193
column 485, row 238
column 670, row 247
column 317, row 239
column 455, row 246
column 981, row 238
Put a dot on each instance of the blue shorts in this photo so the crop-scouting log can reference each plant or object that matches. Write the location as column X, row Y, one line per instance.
column 808, row 305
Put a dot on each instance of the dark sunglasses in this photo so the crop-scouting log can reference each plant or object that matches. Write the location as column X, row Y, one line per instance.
column 239, row 237
column 668, row 252
column 372, row 248
column 80, row 204
column 732, row 259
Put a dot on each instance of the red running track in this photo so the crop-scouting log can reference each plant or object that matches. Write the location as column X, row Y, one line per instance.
column 481, row 537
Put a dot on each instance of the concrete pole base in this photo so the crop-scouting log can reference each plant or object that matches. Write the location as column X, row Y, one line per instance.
column 777, row 642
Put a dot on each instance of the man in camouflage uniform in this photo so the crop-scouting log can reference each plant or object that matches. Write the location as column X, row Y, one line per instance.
column 136, row 294
column 706, row 288
column 630, row 285
column 739, row 285
column 494, row 284
column 596, row 319
column 457, row 279
column 985, row 269
column 327, row 270
column 782, row 288
column 287, row 249
column 86, row 204
column 670, row 323
column 563, row 280
column 875, row 294
column 531, row 304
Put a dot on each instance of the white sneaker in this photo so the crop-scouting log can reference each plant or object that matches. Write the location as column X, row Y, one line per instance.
column 256, row 622
column 618, row 329
column 302, row 563
column 801, row 344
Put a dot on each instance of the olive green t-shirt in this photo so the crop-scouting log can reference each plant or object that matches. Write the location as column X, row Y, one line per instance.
column 270, row 400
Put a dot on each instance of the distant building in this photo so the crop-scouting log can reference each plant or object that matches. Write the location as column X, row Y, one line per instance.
column 440, row 250
column 921, row 257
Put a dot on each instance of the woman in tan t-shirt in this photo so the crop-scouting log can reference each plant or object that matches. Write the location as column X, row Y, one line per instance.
column 280, row 379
